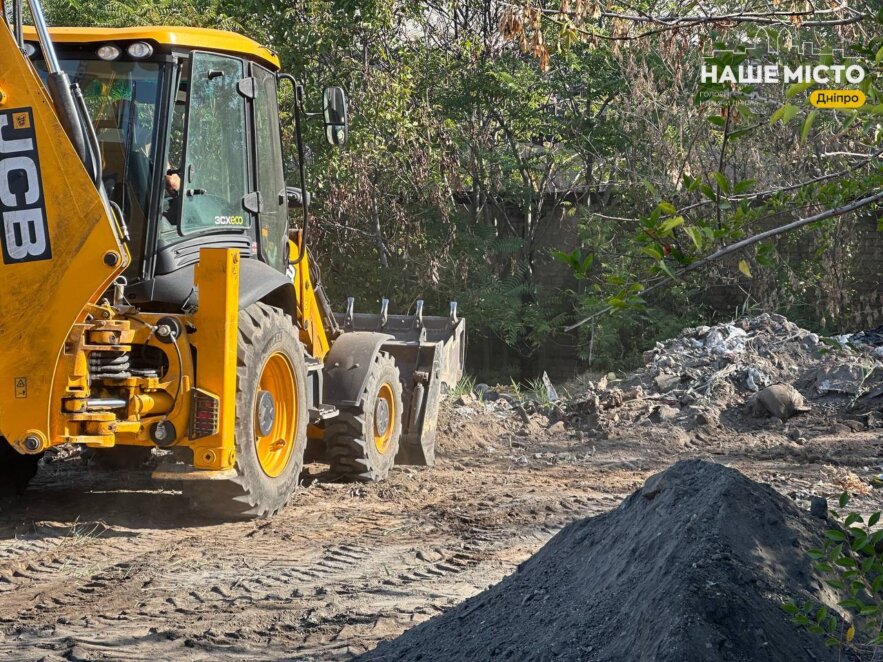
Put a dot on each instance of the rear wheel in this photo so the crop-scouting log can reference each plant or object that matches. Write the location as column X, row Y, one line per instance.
column 362, row 443
column 16, row 470
column 271, row 419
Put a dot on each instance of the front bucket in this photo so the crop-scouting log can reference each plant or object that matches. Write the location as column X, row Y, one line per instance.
column 430, row 353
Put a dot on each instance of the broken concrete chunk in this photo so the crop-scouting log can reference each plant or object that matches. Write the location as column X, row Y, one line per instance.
column 810, row 341
column 779, row 400
column 854, row 425
column 613, row 398
column 756, row 379
column 664, row 414
column 726, row 339
column 844, row 378
column 557, row 427
column 665, row 383
column 634, row 393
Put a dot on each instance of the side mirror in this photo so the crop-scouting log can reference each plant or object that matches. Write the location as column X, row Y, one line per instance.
column 336, row 124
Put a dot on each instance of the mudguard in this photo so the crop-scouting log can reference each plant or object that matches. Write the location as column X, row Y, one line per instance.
column 60, row 249
column 347, row 365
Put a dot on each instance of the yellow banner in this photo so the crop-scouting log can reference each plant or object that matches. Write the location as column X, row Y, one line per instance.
column 837, row 98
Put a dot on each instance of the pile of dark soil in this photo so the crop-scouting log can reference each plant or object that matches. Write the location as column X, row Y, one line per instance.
column 693, row 566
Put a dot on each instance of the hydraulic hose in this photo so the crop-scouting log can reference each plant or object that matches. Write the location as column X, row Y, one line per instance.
column 62, row 92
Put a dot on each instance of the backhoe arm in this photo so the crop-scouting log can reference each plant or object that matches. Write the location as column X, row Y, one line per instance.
column 61, row 249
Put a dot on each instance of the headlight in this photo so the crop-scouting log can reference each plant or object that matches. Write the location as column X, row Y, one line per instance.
column 140, row 49
column 108, row 52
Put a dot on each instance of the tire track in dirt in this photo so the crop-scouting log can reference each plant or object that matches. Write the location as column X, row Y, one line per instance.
column 228, row 590
column 96, row 567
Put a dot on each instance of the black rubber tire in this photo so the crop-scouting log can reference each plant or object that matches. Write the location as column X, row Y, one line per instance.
column 119, row 458
column 263, row 331
column 352, row 453
column 16, row 470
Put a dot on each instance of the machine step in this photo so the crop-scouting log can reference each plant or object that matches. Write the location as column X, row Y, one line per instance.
column 323, row 412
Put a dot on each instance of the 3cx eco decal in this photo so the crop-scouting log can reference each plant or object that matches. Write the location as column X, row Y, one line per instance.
column 229, row 220
column 25, row 236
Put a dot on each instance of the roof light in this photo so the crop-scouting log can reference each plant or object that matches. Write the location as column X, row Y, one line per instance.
column 109, row 52
column 140, row 50
column 30, row 49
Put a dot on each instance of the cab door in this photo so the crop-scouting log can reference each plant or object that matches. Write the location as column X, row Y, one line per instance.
column 216, row 185
column 273, row 216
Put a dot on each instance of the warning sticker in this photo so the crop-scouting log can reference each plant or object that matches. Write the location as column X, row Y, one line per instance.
column 21, row 120
column 21, row 387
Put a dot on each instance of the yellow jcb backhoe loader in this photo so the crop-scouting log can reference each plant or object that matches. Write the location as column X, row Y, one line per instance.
column 151, row 291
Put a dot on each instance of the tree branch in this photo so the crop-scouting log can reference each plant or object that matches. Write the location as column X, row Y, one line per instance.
column 739, row 245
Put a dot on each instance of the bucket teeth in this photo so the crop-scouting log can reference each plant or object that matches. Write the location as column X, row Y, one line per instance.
column 384, row 312
column 350, row 306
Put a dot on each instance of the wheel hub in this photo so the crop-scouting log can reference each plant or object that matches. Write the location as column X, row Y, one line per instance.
column 265, row 413
column 381, row 417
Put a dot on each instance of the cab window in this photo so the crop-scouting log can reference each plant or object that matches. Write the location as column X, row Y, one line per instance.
column 271, row 183
column 215, row 176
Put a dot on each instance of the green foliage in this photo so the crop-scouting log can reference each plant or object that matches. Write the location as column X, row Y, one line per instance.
column 465, row 386
column 537, row 186
column 120, row 13
column 851, row 560
column 538, row 392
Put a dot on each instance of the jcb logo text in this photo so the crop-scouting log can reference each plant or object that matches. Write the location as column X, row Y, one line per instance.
column 25, row 235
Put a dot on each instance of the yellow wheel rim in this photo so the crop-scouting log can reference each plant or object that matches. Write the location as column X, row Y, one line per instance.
column 384, row 417
column 275, row 414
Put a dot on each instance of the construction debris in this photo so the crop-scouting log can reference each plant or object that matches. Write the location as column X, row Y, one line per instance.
column 842, row 378
column 696, row 565
column 760, row 367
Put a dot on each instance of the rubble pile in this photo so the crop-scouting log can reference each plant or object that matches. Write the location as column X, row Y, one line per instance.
column 871, row 337
column 765, row 366
column 696, row 565
column 751, row 374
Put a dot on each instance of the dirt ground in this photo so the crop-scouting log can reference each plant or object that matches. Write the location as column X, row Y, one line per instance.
column 97, row 565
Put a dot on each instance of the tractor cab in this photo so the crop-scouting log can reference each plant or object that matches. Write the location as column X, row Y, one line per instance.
column 188, row 127
column 159, row 301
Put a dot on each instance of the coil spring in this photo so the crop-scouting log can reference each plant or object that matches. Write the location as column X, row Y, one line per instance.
column 109, row 365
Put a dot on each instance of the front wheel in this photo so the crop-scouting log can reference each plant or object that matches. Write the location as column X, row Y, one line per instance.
column 271, row 419
column 363, row 442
